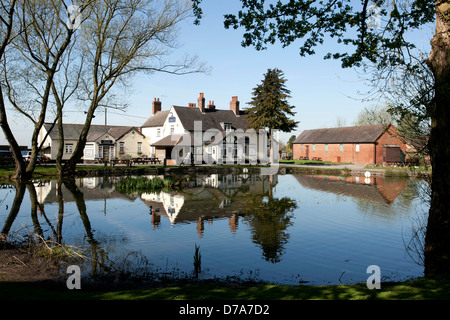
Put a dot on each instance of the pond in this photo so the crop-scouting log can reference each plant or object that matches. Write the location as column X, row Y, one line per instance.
column 285, row 229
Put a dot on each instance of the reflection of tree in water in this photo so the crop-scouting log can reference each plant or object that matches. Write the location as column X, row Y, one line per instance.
column 268, row 218
column 415, row 243
column 20, row 191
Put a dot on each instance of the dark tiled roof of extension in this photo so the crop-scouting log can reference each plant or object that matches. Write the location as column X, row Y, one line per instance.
column 358, row 134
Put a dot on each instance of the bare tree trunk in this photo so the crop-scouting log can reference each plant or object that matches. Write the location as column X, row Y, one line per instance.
column 20, row 166
column 71, row 164
column 437, row 242
column 59, row 121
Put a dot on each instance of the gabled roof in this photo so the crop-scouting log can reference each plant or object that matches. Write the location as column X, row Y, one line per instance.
column 73, row 131
column 211, row 119
column 358, row 134
column 156, row 120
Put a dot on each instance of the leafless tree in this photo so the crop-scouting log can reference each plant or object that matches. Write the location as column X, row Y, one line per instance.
column 7, row 20
column 40, row 37
column 121, row 38
column 340, row 122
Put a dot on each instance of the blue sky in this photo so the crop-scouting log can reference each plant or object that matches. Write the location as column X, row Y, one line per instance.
column 321, row 90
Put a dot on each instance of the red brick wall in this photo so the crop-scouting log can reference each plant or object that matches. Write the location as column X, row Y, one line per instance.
column 334, row 153
column 389, row 137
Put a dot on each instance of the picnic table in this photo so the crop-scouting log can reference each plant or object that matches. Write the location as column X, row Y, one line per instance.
column 317, row 159
column 130, row 161
column 302, row 158
column 145, row 160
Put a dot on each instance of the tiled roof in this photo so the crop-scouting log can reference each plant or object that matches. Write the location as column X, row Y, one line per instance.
column 176, row 140
column 358, row 134
column 211, row 119
column 73, row 131
column 157, row 120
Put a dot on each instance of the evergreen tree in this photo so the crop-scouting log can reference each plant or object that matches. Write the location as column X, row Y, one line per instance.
column 269, row 108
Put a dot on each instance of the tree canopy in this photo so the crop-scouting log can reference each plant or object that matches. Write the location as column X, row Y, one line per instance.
column 373, row 28
column 269, row 107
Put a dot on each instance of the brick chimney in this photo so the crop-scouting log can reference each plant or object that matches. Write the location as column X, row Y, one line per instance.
column 156, row 106
column 234, row 105
column 211, row 106
column 201, row 102
column 192, row 105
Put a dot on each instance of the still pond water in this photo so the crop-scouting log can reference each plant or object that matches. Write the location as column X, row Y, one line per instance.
column 285, row 229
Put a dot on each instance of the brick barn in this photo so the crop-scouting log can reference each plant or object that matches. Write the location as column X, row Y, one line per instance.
column 362, row 145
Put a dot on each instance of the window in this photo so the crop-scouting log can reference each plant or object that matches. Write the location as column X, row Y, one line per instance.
column 122, row 147
column 227, row 126
column 341, row 147
column 326, row 147
column 158, row 132
column 68, row 147
column 172, row 129
column 139, row 147
column 357, row 148
column 314, row 147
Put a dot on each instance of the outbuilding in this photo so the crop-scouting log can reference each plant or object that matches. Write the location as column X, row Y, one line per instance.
column 363, row 145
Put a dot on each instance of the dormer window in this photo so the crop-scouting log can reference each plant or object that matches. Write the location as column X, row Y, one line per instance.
column 227, row 126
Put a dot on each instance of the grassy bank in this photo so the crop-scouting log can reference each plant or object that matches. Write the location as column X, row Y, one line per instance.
column 50, row 172
column 396, row 171
column 421, row 289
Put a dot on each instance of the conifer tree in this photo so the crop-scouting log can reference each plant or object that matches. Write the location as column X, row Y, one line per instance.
column 269, row 107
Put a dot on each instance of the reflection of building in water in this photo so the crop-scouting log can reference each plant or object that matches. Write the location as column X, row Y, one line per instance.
column 209, row 197
column 93, row 188
column 205, row 198
column 374, row 189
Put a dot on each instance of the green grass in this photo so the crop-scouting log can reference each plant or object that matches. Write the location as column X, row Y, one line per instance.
column 50, row 171
column 296, row 161
column 421, row 289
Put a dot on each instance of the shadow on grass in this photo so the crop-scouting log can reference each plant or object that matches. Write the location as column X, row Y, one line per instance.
column 421, row 289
